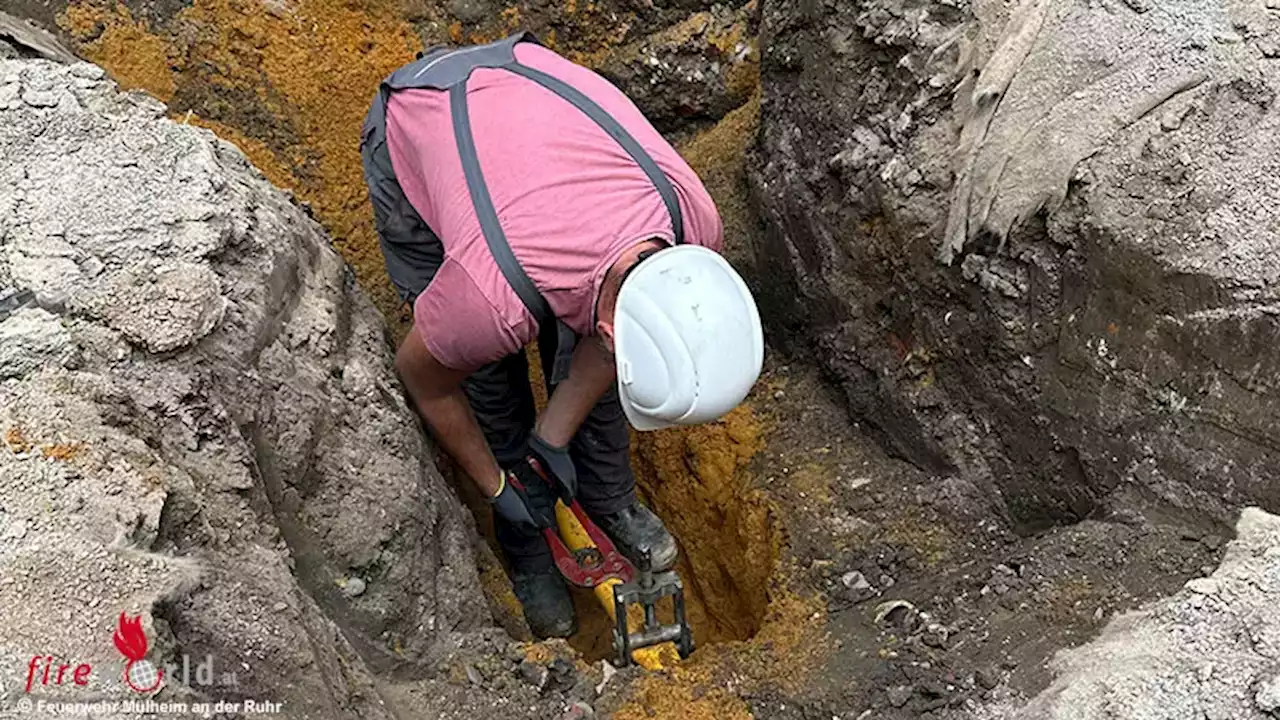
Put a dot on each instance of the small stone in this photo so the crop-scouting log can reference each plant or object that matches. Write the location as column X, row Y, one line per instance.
column 354, row 587
column 15, row 531
column 895, row 612
column 1206, row 672
column 855, row 580
column 534, row 674
column 561, row 675
column 899, row 695
column 607, row 671
column 779, row 394
column 1273, row 4
column 1174, row 175
column 1203, row 586
column 578, row 710
column 1228, row 37
column 474, row 676
column 40, row 98
column 935, row 635
column 986, row 678
column 1268, row 696
column 9, row 96
column 1213, row 542
column 1171, row 120
column 1160, row 210
column 88, row 71
column 277, row 8
column 280, row 606
column 92, row 267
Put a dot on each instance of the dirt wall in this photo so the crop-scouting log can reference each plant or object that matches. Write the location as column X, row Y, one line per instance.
column 198, row 421
column 1036, row 262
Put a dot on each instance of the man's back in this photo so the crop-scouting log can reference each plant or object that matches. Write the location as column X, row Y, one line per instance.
column 569, row 197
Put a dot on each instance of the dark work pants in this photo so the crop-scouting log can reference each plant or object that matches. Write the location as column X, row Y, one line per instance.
column 503, row 402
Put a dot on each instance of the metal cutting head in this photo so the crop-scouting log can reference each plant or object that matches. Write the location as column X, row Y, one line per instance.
column 646, row 590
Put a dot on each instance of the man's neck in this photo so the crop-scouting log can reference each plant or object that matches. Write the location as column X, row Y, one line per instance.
column 608, row 298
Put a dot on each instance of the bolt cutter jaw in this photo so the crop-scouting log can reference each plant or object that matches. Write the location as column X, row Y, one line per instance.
column 590, row 566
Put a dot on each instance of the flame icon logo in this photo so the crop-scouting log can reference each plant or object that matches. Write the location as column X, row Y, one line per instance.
column 139, row 674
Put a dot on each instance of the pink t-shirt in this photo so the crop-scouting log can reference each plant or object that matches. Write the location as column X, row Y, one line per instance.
column 569, row 198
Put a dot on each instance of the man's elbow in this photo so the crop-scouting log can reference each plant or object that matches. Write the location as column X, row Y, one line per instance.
column 404, row 360
column 413, row 363
column 421, row 373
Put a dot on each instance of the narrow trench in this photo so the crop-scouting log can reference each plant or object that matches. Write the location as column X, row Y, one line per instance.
column 696, row 479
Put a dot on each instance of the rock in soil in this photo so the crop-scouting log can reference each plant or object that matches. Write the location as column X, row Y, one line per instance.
column 534, row 674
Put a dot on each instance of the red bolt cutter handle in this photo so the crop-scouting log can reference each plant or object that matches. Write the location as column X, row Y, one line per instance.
column 588, row 567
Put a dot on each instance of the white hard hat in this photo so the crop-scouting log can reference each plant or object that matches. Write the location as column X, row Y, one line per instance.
column 687, row 339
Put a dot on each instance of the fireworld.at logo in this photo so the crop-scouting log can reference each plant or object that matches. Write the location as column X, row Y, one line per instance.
column 140, row 675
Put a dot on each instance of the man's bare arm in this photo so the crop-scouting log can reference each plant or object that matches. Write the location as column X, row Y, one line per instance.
column 590, row 374
column 437, row 392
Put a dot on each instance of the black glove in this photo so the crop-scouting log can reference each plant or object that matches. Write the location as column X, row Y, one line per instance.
column 557, row 464
column 525, row 500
